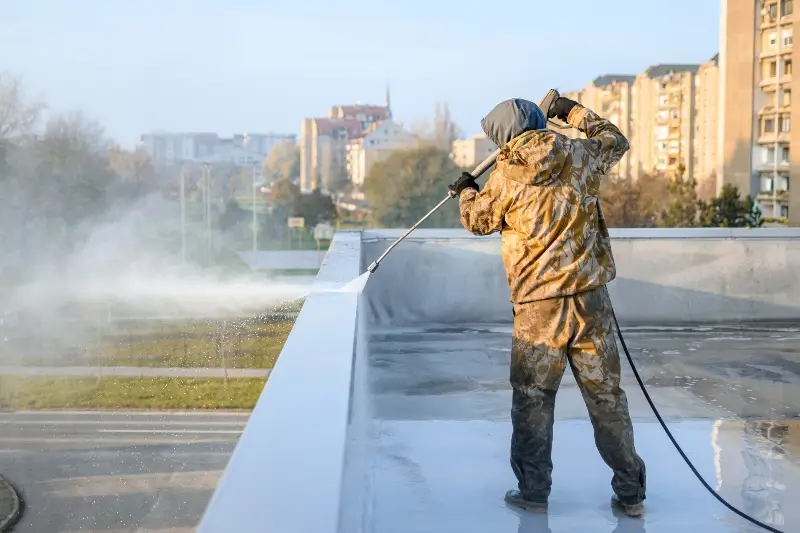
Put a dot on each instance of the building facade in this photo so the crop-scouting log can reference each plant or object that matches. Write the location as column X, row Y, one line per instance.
column 467, row 153
column 706, row 118
column 168, row 149
column 324, row 142
column 375, row 144
column 663, row 109
column 756, row 111
column 610, row 96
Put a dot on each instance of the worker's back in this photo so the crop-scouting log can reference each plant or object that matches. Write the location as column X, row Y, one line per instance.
column 555, row 241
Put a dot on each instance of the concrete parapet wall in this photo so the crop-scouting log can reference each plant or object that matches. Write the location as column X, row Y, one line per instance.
column 663, row 276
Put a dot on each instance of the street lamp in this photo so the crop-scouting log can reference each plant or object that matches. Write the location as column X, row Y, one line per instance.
column 245, row 145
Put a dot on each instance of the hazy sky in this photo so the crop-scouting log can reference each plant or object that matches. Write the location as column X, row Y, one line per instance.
column 262, row 65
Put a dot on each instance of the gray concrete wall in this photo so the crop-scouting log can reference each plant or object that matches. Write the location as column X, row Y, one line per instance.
column 664, row 276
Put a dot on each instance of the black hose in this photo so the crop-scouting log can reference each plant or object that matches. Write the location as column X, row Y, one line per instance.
column 675, row 443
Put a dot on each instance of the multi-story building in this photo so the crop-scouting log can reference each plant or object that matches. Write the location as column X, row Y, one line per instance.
column 323, row 144
column 756, row 111
column 375, row 144
column 467, row 153
column 662, row 136
column 324, row 141
column 706, row 113
column 169, row 149
column 610, row 96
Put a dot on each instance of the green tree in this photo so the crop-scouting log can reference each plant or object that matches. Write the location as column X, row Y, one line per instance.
column 682, row 204
column 629, row 203
column 314, row 208
column 283, row 161
column 402, row 188
column 729, row 210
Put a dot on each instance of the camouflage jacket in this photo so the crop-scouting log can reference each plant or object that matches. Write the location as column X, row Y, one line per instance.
column 543, row 198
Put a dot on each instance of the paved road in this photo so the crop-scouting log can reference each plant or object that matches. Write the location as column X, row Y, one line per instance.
column 97, row 472
column 133, row 371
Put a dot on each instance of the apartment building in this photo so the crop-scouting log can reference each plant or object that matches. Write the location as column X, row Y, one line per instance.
column 706, row 117
column 610, row 96
column 324, row 142
column 756, row 111
column 467, row 153
column 375, row 144
column 662, row 136
column 172, row 148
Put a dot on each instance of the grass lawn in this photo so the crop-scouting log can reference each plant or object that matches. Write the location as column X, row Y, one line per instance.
column 128, row 393
column 230, row 344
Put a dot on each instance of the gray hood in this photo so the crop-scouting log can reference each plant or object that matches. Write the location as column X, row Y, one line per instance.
column 511, row 118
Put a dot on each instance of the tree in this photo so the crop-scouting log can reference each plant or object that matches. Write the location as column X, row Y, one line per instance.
column 682, row 206
column 134, row 169
column 408, row 183
column 707, row 188
column 441, row 133
column 232, row 215
column 729, row 210
column 620, row 199
column 314, row 208
column 17, row 116
column 629, row 203
column 284, row 192
column 283, row 161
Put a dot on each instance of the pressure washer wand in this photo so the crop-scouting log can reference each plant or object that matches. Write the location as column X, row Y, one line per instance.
column 480, row 169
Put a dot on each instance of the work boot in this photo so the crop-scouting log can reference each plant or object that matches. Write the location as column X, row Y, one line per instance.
column 514, row 497
column 631, row 509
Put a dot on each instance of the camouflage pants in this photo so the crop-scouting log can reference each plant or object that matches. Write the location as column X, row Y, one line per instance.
column 548, row 334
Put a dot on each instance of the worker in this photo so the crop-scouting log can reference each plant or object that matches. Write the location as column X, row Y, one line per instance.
column 542, row 197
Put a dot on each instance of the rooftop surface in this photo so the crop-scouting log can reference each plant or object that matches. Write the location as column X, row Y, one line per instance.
column 437, row 442
column 389, row 410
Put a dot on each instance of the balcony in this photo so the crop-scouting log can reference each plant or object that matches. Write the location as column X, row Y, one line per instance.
column 388, row 411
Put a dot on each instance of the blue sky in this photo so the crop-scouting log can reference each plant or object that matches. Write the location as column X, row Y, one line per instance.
column 262, row 65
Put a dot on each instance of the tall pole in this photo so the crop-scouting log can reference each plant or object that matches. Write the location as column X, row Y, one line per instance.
column 208, row 214
column 255, row 227
column 183, row 214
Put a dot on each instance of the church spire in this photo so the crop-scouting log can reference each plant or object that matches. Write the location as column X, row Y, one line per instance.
column 388, row 102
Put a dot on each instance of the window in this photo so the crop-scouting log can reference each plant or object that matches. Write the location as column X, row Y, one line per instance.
column 784, row 211
column 787, row 67
column 786, row 8
column 773, row 69
column 773, row 11
column 787, row 40
column 786, row 125
column 772, row 38
column 785, row 154
column 769, row 125
column 787, row 97
column 766, row 184
column 770, row 154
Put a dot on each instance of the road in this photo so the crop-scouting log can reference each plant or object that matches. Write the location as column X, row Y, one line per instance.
column 133, row 371
column 97, row 472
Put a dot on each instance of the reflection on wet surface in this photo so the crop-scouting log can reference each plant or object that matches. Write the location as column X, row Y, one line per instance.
column 438, row 437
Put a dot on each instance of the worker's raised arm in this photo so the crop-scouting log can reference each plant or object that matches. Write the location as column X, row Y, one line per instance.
column 605, row 142
column 482, row 212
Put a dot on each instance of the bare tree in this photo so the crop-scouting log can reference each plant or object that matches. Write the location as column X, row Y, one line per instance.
column 18, row 117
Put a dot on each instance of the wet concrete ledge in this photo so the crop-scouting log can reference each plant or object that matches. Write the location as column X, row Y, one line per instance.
column 285, row 473
column 664, row 276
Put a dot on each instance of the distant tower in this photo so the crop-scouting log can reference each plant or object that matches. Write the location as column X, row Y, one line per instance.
column 388, row 103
